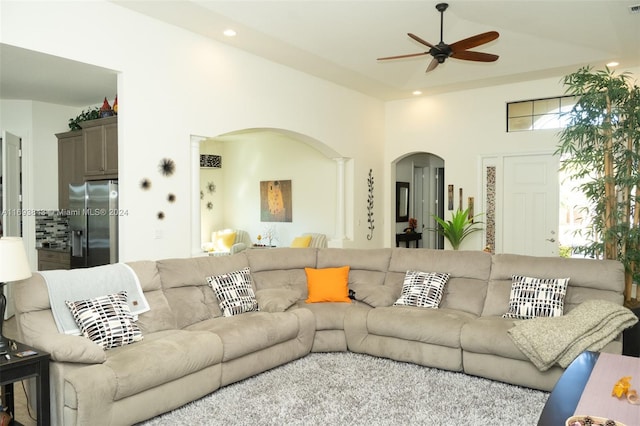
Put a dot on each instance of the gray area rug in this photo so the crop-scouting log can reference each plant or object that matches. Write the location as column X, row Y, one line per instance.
column 355, row 389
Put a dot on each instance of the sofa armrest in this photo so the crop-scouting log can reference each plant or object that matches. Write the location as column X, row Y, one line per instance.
column 38, row 329
column 69, row 348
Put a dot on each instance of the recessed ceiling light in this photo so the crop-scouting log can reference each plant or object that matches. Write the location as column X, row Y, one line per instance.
column 417, row 92
column 613, row 64
column 229, row 33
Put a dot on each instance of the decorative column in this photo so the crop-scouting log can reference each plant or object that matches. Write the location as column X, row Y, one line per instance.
column 340, row 199
column 196, row 243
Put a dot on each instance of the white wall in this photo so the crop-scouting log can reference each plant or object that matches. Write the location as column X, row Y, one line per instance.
column 173, row 84
column 36, row 123
column 248, row 159
column 461, row 127
column 212, row 219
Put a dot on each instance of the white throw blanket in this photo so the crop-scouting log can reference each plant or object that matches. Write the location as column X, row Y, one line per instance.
column 80, row 284
column 588, row 327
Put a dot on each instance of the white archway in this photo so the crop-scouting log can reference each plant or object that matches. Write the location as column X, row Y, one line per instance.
column 338, row 165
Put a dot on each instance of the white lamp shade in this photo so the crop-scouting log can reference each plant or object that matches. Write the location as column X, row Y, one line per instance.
column 14, row 265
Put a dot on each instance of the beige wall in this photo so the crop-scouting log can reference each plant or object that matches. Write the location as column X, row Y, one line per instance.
column 248, row 159
column 174, row 84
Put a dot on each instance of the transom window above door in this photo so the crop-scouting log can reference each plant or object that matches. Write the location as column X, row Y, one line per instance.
column 538, row 114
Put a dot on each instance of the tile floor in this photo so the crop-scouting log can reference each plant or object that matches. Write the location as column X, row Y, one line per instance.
column 20, row 401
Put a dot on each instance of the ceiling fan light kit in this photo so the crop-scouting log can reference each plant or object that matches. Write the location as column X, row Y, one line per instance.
column 459, row 50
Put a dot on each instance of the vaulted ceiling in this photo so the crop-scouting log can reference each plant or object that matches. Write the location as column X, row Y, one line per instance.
column 339, row 40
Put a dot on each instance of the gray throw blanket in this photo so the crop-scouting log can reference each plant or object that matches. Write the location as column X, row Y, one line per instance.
column 588, row 327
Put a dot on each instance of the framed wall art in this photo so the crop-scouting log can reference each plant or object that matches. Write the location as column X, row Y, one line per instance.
column 275, row 201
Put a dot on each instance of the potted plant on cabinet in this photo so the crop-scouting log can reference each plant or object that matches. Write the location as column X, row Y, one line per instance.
column 461, row 225
column 600, row 148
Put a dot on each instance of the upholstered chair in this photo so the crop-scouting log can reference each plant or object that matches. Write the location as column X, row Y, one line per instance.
column 310, row 240
column 227, row 241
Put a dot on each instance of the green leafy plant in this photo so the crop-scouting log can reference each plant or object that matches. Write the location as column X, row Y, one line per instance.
column 600, row 149
column 458, row 228
column 89, row 114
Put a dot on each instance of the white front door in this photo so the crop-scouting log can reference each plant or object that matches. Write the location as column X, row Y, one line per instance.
column 530, row 205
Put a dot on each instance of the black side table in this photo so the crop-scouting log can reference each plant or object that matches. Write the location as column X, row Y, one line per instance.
column 15, row 369
column 631, row 338
column 407, row 237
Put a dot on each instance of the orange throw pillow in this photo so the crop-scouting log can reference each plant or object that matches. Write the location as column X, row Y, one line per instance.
column 328, row 284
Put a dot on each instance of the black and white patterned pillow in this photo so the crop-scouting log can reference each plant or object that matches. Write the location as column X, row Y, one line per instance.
column 536, row 297
column 106, row 320
column 422, row 289
column 234, row 292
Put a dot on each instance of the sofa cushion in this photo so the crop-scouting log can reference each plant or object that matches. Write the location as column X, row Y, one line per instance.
column 106, row 320
column 160, row 316
column 367, row 271
column 234, row 292
column 160, row 358
column 251, row 332
column 488, row 335
column 328, row 316
column 468, row 274
column 328, row 284
column 277, row 299
column 185, row 287
column 536, row 297
column 375, row 295
column 281, row 268
column 435, row 326
column 590, row 279
column 422, row 289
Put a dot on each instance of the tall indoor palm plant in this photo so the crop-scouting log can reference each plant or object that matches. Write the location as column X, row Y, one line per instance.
column 600, row 147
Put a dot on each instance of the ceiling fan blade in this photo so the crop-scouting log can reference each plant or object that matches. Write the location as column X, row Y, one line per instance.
column 474, row 41
column 421, row 41
column 469, row 55
column 432, row 65
column 411, row 55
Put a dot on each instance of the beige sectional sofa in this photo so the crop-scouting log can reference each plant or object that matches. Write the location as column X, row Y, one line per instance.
column 189, row 349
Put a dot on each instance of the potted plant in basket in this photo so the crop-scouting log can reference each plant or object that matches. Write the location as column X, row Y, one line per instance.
column 458, row 228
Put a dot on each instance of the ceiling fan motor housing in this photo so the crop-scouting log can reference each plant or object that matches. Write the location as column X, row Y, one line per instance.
column 441, row 51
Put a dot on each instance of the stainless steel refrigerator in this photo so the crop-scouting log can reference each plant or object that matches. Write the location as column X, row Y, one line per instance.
column 93, row 223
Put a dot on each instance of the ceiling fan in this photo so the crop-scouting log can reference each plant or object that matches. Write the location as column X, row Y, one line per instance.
column 458, row 50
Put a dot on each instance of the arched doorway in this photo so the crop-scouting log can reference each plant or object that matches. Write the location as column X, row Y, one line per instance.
column 424, row 174
column 228, row 196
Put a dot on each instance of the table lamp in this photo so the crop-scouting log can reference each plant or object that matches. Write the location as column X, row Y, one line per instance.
column 13, row 267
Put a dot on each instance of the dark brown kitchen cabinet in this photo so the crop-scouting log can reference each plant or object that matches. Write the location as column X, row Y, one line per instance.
column 49, row 259
column 70, row 164
column 100, row 148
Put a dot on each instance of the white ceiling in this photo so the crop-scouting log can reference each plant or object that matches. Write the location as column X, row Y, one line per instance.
column 25, row 74
column 339, row 40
